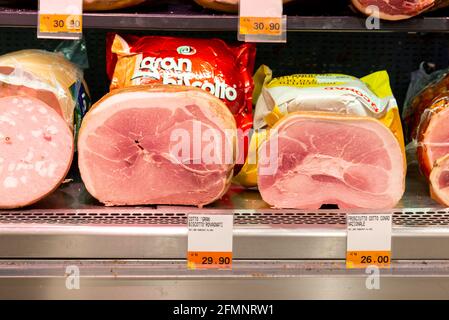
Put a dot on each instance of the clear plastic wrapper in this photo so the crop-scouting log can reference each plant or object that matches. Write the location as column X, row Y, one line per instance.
column 339, row 94
column 426, row 114
column 50, row 77
column 42, row 100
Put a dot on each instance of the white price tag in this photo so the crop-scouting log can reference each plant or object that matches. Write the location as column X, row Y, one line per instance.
column 262, row 21
column 369, row 240
column 61, row 19
column 210, row 241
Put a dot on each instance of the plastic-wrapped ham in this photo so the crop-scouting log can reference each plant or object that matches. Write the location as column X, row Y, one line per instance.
column 41, row 96
column 311, row 159
column 398, row 9
column 326, row 139
column 426, row 114
column 166, row 144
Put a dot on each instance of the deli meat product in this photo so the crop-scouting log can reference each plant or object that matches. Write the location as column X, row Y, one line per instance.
column 326, row 139
column 152, row 145
column 46, row 76
column 399, row 9
column 94, row 5
column 321, row 159
column 426, row 114
column 36, row 150
column 42, row 97
column 223, row 70
column 223, row 5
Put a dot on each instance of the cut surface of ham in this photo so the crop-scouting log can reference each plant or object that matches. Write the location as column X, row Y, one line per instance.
column 312, row 159
column 128, row 154
column 36, row 150
column 439, row 180
column 397, row 9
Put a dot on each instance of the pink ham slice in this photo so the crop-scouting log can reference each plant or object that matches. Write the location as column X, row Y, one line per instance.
column 36, row 150
column 127, row 154
column 398, row 9
column 350, row 161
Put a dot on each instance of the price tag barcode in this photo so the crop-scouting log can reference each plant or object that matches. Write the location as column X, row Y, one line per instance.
column 210, row 241
column 369, row 240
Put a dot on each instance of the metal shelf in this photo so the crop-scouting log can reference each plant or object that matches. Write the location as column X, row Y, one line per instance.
column 144, row 279
column 71, row 224
column 184, row 18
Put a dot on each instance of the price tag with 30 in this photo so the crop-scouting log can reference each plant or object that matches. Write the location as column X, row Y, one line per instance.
column 210, row 241
column 62, row 19
column 369, row 240
column 262, row 21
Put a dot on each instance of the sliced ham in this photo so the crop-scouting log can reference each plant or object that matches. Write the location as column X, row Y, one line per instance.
column 398, row 9
column 312, row 159
column 36, row 150
column 128, row 151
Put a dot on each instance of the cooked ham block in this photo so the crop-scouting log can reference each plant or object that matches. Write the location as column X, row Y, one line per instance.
column 36, row 150
column 311, row 159
column 128, row 154
column 433, row 148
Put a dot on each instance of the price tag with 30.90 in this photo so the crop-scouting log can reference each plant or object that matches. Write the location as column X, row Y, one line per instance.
column 62, row 19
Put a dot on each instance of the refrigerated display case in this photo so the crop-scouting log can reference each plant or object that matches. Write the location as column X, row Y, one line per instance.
column 140, row 252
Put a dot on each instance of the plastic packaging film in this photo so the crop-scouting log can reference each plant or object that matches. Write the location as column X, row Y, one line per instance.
column 370, row 96
column 43, row 98
column 48, row 76
column 426, row 114
column 224, row 70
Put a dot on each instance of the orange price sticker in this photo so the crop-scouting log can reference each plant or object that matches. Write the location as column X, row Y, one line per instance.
column 271, row 26
column 209, row 241
column 60, row 23
column 363, row 259
column 209, row 260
